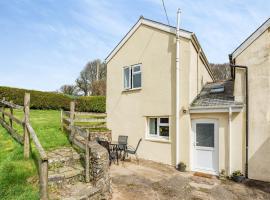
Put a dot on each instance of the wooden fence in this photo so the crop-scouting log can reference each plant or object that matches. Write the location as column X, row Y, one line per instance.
column 79, row 135
column 82, row 119
column 28, row 133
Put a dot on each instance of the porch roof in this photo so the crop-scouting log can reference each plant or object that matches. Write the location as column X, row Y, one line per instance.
column 216, row 94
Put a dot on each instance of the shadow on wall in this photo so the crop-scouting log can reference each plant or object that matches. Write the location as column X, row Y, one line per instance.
column 259, row 163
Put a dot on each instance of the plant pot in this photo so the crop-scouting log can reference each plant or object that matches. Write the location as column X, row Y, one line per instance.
column 238, row 179
column 182, row 168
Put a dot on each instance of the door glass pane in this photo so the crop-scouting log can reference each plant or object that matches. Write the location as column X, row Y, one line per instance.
column 126, row 78
column 205, row 135
column 153, row 126
column 137, row 80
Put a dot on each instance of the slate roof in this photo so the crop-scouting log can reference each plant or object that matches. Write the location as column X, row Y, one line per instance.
column 206, row 98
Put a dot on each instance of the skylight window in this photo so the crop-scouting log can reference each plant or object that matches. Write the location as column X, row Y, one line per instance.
column 217, row 89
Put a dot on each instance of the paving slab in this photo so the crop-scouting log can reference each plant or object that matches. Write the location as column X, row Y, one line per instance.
column 155, row 181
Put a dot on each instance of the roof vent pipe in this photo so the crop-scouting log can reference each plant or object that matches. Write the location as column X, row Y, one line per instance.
column 177, row 112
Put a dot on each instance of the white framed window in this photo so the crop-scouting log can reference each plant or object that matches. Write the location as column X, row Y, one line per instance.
column 132, row 77
column 158, row 127
column 127, row 78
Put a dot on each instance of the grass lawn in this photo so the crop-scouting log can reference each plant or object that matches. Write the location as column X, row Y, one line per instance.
column 18, row 177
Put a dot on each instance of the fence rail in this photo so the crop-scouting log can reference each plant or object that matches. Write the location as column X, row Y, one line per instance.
column 83, row 120
column 25, row 139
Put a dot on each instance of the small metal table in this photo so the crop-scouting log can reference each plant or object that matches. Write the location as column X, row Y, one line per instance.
column 115, row 145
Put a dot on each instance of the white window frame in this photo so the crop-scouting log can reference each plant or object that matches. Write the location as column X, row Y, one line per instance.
column 134, row 73
column 131, row 73
column 157, row 136
column 129, row 69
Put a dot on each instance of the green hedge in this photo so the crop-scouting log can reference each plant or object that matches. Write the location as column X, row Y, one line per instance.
column 54, row 101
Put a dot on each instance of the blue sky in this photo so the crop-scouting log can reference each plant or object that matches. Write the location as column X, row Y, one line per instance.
column 46, row 43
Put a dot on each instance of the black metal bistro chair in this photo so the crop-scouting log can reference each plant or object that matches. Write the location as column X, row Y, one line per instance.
column 122, row 143
column 132, row 150
column 112, row 152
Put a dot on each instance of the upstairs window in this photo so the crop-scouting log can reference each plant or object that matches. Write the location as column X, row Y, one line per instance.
column 132, row 77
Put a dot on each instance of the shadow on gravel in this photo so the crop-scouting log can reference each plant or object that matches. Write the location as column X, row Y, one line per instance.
column 260, row 185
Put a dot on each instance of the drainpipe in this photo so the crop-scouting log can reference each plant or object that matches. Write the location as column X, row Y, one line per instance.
column 198, row 57
column 177, row 112
column 229, row 139
column 247, row 106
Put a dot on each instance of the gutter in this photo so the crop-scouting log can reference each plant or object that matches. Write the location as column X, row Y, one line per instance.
column 198, row 47
column 212, row 109
column 177, row 111
column 247, row 106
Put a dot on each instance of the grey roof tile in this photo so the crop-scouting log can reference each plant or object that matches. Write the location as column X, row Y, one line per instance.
column 207, row 99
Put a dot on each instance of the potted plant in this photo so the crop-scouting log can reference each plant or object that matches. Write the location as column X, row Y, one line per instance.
column 222, row 175
column 182, row 167
column 237, row 176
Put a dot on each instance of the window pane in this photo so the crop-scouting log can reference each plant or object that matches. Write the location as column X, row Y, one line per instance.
column 126, row 78
column 164, row 120
column 137, row 68
column 136, row 80
column 164, row 131
column 205, row 135
column 153, row 126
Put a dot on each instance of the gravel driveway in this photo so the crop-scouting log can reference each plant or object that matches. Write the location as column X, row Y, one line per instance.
column 150, row 180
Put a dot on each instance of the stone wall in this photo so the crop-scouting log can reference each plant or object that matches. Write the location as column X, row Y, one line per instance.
column 99, row 170
column 105, row 135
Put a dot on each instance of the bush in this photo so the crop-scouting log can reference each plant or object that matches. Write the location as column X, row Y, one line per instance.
column 54, row 101
column 91, row 104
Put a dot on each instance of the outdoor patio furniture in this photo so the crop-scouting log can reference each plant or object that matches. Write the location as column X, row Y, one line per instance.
column 122, row 144
column 113, row 155
column 132, row 150
column 118, row 147
column 122, row 140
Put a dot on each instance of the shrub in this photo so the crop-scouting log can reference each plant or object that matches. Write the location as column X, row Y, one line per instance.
column 54, row 101
column 237, row 173
column 91, row 104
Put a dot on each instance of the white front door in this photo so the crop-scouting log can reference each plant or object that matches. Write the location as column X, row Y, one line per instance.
column 205, row 146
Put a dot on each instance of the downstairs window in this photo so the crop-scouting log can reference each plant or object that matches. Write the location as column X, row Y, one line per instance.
column 158, row 127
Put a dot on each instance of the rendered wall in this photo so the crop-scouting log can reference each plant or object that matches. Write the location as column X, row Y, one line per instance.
column 257, row 58
column 127, row 111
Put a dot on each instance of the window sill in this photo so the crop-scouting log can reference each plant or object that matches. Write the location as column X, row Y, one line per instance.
column 131, row 90
column 161, row 140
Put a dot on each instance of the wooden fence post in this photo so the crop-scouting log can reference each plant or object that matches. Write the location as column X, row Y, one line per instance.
column 72, row 116
column 61, row 119
column 43, row 179
column 3, row 109
column 26, row 145
column 11, row 112
column 87, row 157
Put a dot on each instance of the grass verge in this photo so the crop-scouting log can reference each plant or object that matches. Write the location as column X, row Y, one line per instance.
column 19, row 177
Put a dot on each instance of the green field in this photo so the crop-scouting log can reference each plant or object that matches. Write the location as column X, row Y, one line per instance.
column 18, row 177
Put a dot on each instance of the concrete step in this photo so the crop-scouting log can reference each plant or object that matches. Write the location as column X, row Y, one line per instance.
column 77, row 191
column 65, row 156
column 65, row 175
